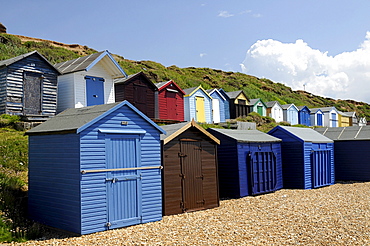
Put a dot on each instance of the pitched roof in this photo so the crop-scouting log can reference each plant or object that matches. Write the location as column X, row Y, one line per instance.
column 128, row 78
column 162, row 85
column 305, row 134
column 191, row 91
column 324, row 109
column 235, row 94
column 174, row 130
column 87, row 62
column 247, row 135
column 287, row 106
column 224, row 93
column 302, row 107
column 77, row 119
column 272, row 103
column 10, row 61
column 253, row 102
column 346, row 133
column 211, row 91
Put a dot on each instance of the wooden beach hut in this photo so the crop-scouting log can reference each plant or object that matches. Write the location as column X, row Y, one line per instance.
column 290, row 113
column 226, row 104
column 218, row 105
column 351, row 151
column 304, row 115
column 140, row 91
column 316, row 117
column 275, row 111
column 197, row 105
column 329, row 115
column 238, row 104
column 28, row 87
column 189, row 162
column 258, row 106
column 87, row 81
column 95, row 168
column 170, row 101
column 307, row 156
column 249, row 162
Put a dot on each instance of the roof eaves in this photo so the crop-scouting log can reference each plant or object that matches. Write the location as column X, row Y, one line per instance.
column 115, row 108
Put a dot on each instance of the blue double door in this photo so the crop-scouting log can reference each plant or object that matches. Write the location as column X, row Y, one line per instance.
column 123, row 186
column 262, row 168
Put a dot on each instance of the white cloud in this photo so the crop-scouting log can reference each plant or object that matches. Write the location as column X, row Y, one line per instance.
column 344, row 76
column 224, row 14
column 202, row 54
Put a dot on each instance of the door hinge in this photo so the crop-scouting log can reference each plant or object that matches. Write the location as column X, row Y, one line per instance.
column 181, row 175
column 108, row 224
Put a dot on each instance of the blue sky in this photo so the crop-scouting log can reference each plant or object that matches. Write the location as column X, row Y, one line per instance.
column 264, row 38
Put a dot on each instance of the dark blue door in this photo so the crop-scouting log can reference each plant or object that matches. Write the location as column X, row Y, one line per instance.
column 94, row 90
column 123, row 186
column 321, row 168
column 262, row 166
column 319, row 119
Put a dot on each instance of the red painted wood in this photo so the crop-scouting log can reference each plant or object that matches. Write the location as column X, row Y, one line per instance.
column 171, row 103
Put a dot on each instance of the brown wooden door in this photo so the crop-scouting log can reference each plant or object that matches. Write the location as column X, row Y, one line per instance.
column 140, row 98
column 32, row 93
column 192, row 177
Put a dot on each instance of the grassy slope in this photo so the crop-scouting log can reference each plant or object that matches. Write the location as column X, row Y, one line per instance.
column 265, row 89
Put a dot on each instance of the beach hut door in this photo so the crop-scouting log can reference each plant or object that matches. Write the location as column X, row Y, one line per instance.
column 94, row 90
column 191, row 173
column 171, row 105
column 321, row 168
column 216, row 110
column 262, row 165
column 32, row 93
column 123, row 187
column 200, row 110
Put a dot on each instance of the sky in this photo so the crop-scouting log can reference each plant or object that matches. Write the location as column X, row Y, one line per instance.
column 321, row 46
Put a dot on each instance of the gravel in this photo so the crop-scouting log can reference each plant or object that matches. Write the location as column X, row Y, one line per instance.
column 334, row 215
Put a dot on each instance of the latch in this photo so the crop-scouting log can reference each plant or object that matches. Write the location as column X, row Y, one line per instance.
column 200, row 177
column 181, row 154
column 113, row 180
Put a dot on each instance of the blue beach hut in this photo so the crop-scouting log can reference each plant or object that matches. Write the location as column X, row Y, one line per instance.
column 307, row 156
column 290, row 113
column 226, row 105
column 95, row 168
column 351, row 151
column 197, row 105
column 249, row 162
column 218, row 105
column 304, row 115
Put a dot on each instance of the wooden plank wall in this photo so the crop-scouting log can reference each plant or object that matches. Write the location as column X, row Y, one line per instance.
column 14, row 85
column 125, row 91
column 172, row 191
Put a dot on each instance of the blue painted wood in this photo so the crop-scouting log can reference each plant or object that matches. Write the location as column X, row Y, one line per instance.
column 84, row 203
column 248, row 168
column 226, row 104
column 216, row 94
column 304, row 116
column 123, row 187
column 190, row 106
column 94, row 90
column 301, row 168
column 54, row 181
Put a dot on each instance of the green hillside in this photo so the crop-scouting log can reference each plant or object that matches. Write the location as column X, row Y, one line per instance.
column 267, row 90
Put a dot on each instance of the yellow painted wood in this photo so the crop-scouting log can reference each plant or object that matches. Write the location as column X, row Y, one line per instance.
column 200, row 110
column 241, row 96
